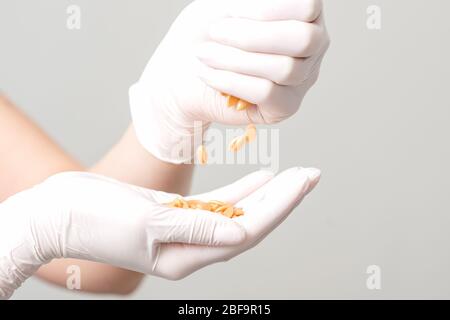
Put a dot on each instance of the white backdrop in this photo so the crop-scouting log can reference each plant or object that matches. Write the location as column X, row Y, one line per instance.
column 377, row 124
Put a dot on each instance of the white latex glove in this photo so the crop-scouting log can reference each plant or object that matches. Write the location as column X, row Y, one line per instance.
column 267, row 52
column 85, row 216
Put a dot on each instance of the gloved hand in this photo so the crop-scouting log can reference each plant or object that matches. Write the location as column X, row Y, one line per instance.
column 85, row 216
column 267, row 52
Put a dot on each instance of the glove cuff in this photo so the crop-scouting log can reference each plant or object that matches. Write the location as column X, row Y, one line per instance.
column 166, row 137
column 18, row 260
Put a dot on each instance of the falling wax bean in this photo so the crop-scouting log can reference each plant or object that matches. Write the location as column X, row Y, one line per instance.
column 239, row 142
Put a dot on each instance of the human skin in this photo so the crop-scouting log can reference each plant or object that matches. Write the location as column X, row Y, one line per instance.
column 21, row 140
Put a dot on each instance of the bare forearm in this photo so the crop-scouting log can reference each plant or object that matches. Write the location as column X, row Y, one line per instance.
column 27, row 154
column 129, row 162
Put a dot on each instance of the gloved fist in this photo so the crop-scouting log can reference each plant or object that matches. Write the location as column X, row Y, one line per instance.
column 267, row 52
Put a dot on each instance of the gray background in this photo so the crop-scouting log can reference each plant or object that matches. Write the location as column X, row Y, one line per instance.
column 376, row 124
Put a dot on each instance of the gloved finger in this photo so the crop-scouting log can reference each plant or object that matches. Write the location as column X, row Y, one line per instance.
column 274, row 102
column 201, row 228
column 282, row 70
column 270, row 205
column 271, row 10
column 288, row 38
column 238, row 190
